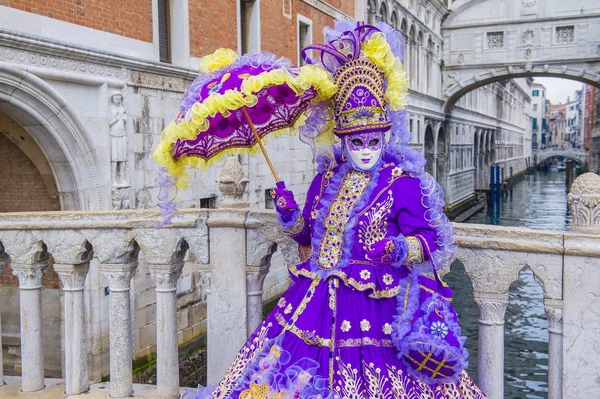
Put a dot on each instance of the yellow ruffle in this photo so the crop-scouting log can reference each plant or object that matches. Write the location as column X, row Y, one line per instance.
column 217, row 60
column 378, row 50
column 199, row 114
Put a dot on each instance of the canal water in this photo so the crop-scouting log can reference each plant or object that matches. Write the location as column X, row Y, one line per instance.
column 539, row 201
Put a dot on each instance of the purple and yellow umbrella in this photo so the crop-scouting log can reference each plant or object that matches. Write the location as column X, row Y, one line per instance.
column 235, row 103
column 231, row 106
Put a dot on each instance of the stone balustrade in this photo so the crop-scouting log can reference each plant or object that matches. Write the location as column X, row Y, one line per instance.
column 234, row 246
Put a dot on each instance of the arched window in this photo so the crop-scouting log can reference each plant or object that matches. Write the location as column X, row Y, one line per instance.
column 411, row 53
column 429, row 78
column 394, row 20
column 383, row 12
column 371, row 11
column 419, row 61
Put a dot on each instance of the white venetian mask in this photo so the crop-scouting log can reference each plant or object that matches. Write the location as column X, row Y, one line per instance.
column 364, row 149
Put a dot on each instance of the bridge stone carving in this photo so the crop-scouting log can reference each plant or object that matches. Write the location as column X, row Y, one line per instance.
column 487, row 41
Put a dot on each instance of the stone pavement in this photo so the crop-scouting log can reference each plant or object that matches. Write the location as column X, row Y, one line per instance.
column 55, row 389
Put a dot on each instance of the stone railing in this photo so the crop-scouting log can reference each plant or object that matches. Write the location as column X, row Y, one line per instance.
column 235, row 246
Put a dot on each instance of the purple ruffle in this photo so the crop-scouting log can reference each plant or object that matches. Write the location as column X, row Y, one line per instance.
column 166, row 196
column 265, row 60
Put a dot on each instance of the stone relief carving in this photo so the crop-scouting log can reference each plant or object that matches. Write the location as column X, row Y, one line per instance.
column 154, row 81
column 584, row 200
column 491, row 312
column 31, row 58
column 528, row 37
column 118, row 140
column 232, row 183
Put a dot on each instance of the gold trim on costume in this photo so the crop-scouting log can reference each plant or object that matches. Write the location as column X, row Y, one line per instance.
column 296, row 228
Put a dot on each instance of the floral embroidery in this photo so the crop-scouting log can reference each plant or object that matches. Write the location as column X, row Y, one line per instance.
column 387, row 328
column 377, row 385
column 288, row 310
column 415, row 252
column 314, row 214
column 375, row 227
column 365, row 274
column 345, row 327
column 439, row 329
column 388, row 279
column 397, row 172
column 296, row 228
column 351, row 189
column 356, row 342
column 350, row 282
column 365, row 325
column 281, row 303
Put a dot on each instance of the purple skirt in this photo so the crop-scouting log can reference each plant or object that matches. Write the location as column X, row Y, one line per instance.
column 330, row 338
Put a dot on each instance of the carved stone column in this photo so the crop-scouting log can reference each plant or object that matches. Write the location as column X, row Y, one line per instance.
column 121, row 344
column 226, row 306
column 167, row 356
column 76, row 370
column 555, row 349
column 255, row 279
column 32, row 349
column 584, row 199
column 490, row 364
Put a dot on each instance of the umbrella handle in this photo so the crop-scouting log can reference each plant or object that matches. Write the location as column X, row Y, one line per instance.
column 262, row 147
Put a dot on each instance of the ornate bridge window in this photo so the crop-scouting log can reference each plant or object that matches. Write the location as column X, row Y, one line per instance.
column 495, row 39
column 565, row 34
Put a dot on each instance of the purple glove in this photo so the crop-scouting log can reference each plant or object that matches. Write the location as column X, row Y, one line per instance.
column 283, row 199
column 388, row 251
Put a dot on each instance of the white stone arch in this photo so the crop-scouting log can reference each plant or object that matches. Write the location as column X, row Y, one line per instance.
column 65, row 143
column 404, row 27
column 372, row 11
column 394, row 20
column 442, row 146
column 463, row 84
column 383, row 11
column 419, row 59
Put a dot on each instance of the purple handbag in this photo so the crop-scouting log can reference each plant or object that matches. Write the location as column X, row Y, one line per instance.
column 426, row 331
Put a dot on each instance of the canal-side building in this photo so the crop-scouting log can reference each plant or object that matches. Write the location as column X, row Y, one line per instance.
column 539, row 125
column 558, row 124
column 588, row 120
column 595, row 136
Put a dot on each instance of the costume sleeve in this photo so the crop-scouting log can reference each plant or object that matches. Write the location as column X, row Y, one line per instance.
column 414, row 221
column 298, row 226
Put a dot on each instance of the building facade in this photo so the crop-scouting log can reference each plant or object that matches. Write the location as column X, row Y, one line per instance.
column 539, row 125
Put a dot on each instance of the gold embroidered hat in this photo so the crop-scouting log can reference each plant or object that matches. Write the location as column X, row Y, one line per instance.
column 369, row 76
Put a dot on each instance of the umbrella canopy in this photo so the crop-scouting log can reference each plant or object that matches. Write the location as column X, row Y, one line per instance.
column 234, row 103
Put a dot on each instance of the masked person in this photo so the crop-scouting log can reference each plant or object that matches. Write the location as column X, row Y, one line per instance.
column 372, row 218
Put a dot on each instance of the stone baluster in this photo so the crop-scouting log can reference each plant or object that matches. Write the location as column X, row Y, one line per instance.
column 121, row 346
column 226, row 307
column 29, row 269
column 3, row 265
column 165, row 258
column 490, row 363
column 555, row 348
column 118, row 270
column 255, row 279
column 72, row 263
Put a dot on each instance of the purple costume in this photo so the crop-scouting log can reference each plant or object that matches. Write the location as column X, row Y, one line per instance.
column 360, row 234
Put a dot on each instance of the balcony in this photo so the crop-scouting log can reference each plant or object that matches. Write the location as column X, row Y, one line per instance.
column 232, row 248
